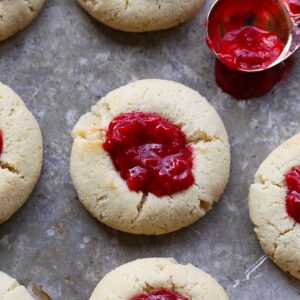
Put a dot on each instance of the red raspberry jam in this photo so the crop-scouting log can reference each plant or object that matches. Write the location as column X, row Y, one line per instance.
column 292, row 199
column 249, row 48
column 294, row 6
column 160, row 295
column 150, row 153
column 245, row 85
column 1, row 142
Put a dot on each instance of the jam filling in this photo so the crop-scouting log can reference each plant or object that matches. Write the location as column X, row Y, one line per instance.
column 249, row 48
column 294, row 6
column 160, row 295
column 292, row 199
column 150, row 153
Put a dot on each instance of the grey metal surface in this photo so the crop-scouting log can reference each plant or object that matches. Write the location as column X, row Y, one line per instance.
column 60, row 66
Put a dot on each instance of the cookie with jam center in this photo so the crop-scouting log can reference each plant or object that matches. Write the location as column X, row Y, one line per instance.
column 158, row 278
column 150, row 158
column 274, row 205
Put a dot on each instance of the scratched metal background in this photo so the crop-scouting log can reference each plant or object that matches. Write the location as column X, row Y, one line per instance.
column 61, row 65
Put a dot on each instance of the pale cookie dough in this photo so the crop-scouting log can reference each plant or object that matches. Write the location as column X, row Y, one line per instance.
column 17, row 14
column 150, row 274
column 106, row 195
column 10, row 289
column 141, row 15
column 21, row 159
column 279, row 235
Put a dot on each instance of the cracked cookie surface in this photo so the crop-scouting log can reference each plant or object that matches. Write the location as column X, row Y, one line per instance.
column 21, row 157
column 141, row 15
column 106, row 195
column 17, row 14
column 10, row 289
column 279, row 234
column 146, row 275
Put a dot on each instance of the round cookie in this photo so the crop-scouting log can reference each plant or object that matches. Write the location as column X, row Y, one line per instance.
column 106, row 195
column 20, row 152
column 10, row 289
column 141, row 15
column 153, row 274
column 17, row 14
column 278, row 233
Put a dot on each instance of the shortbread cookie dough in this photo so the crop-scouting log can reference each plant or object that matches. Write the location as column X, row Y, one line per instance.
column 17, row 14
column 156, row 275
column 10, row 289
column 107, row 196
column 141, row 15
column 20, row 152
column 277, row 230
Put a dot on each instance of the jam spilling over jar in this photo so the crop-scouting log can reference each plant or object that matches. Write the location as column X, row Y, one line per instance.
column 245, row 85
column 248, row 36
column 160, row 295
column 150, row 153
column 292, row 199
column 249, row 48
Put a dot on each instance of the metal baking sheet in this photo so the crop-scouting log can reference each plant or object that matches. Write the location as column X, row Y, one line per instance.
column 61, row 65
